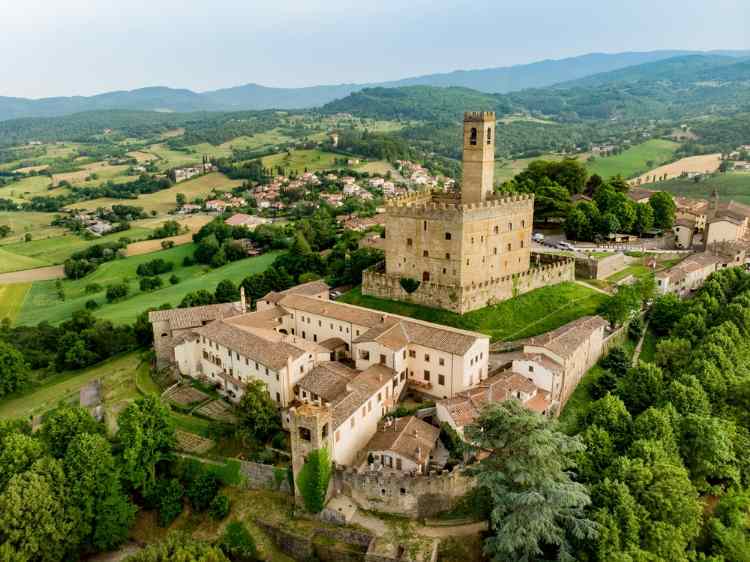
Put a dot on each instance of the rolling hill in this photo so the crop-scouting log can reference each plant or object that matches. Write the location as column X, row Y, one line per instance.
column 252, row 96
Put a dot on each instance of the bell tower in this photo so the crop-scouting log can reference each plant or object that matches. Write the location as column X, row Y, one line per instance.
column 479, row 156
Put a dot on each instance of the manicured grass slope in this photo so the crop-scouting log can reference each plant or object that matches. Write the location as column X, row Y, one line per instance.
column 635, row 160
column 527, row 315
column 38, row 224
column 43, row 303
column 299, row 160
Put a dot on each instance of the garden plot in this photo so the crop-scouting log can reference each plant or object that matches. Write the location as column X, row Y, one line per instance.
column 192, row 443
column 217, row 410
column 186, row 395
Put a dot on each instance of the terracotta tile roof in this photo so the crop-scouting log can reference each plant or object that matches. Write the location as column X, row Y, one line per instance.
column 195, row 316
column 409, row 437
column 269, row 318
column 241, row 219
column 310, row 289
column 326, row 382
column 333, row 343
column 444, row 338
column 566, row 339
column 686, row 222
column 466, row 407
column 273, row 354
column 636, row 194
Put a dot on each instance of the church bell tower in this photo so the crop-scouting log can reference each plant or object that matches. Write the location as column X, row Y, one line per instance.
column 479, row 156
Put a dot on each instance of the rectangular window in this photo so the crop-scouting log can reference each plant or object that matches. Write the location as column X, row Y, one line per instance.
column 441, row 380
column 427, row 375
column 382, row 359
column 338, row 436
column 447, row 256
column 425, row 254
column 441, row 361
column 412, row 353
column 427, row 357
column 447, row 235
column 408, row 242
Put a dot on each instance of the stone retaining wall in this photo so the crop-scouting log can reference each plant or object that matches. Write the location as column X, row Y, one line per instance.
column 592, row 268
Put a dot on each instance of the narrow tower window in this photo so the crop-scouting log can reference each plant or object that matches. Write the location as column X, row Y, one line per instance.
column 489, row 135
column 473, row 137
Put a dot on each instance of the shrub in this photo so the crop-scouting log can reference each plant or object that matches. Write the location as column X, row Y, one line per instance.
column 219, row 507
column 409, row 285
column 117, row 291
column 166, row 244
column 313, row 480
column 635, row 330
column 92, row 288
column 202, row 490
column 238, row 544
column 151, row 283
column 173, row 279
column 154, row 267
column 169, row 494
column 91, row 304
column 187, row 261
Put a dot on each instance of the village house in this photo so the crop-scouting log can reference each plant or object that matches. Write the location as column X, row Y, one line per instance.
column 189, row 208
column 688, row 275
column 638, row 195
column 403, row 444
column 249, row 221
column 218, row 205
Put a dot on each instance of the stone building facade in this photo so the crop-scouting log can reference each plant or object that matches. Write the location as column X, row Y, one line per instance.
column 464, row 250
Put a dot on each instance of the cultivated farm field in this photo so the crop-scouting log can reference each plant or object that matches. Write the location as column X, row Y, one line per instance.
column 703, row 164
column 635, row 160
column 732, row 185
column 299, row 160
column 11, row 299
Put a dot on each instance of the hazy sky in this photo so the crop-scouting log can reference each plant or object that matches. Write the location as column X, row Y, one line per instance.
column 82, row 47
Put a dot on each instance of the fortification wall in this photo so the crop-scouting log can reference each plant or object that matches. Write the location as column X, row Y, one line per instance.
column 411, row 496
column 591, row 268
column 465, row 299
column 265, row 476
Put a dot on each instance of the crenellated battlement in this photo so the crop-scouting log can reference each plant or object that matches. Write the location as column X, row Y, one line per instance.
column 423, row 204
column 478, row 116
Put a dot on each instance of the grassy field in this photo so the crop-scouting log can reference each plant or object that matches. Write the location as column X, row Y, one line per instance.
column 732, row 185
column 56, row 249
column 530, row 314
column 65, row 386
column 38, row 224
column 164, row 201
column 29, row 187
column 299, row 160
column 11, row 299
column 44, row 304
column 635, row 160
column 10, row 261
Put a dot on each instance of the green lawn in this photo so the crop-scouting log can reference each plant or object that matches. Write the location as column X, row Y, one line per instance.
column 530, row 314
column 636, row 270
column 11, row 299
column 56, row 249
column 43, row 303
column 648, row 349
column 28, row 188
column 732, row 185
column 65, row 386
column 635, row 160
column 10, row 261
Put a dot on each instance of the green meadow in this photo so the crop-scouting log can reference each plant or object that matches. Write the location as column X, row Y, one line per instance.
column 635, row 160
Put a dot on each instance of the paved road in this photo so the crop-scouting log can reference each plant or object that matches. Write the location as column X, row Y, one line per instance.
column 28, row 275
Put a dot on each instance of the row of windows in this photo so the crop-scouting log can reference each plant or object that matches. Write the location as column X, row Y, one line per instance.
column 449, row 235
column 307, row 320
column 426, row 254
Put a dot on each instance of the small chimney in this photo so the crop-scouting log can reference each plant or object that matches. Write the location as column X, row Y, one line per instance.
column 382, row 318
column 243, row 304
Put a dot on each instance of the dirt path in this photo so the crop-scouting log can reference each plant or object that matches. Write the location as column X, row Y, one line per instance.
column 380, row 528
column 29, row 275
column 594, row 287
column 638, row 347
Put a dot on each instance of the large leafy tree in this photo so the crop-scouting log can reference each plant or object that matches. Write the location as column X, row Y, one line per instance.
column 18, row 452
column 179, row 547
column 106, row 513
column 63, row 425
column 147, row 437
column 14, row 372
column 34, row 518
column 258, row 414
column 537, row 506
column 664, row 209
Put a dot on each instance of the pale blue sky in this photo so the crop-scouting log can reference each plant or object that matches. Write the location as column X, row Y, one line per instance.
column 82, row 47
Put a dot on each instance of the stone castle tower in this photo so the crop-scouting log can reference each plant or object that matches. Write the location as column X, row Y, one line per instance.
column 310, row 428
column 479, row 156
column 465, row 250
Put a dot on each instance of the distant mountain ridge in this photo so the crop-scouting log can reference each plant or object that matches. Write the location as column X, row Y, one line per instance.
column 251, row 96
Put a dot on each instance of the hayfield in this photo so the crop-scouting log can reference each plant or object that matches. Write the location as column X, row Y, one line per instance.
column 43, row 302
column 27, row 188
column 193, row 223
column 703, row 164
column 507, row 169
column 11, row 299
column 103, row 171
column 142, row 156
column 10, row 261
column 164, row 201
column 635, row 160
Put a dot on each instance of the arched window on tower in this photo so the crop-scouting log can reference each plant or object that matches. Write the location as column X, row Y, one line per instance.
column 473, row 136
column 489, row 135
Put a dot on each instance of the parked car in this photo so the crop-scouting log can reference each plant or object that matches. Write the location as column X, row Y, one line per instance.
column 538, row 237
column 566, row 246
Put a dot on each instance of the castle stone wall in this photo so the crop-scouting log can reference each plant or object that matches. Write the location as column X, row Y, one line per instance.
column 472, row 297
column 398, row 494
column 590, row 268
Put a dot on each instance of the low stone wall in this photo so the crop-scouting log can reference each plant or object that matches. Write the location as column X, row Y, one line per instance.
column 592, row 268
column 328, row 545
column 465, row 299
column 265, row 476
column 411, row 496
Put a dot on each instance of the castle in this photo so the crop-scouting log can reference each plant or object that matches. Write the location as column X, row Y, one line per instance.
column 462, row 251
